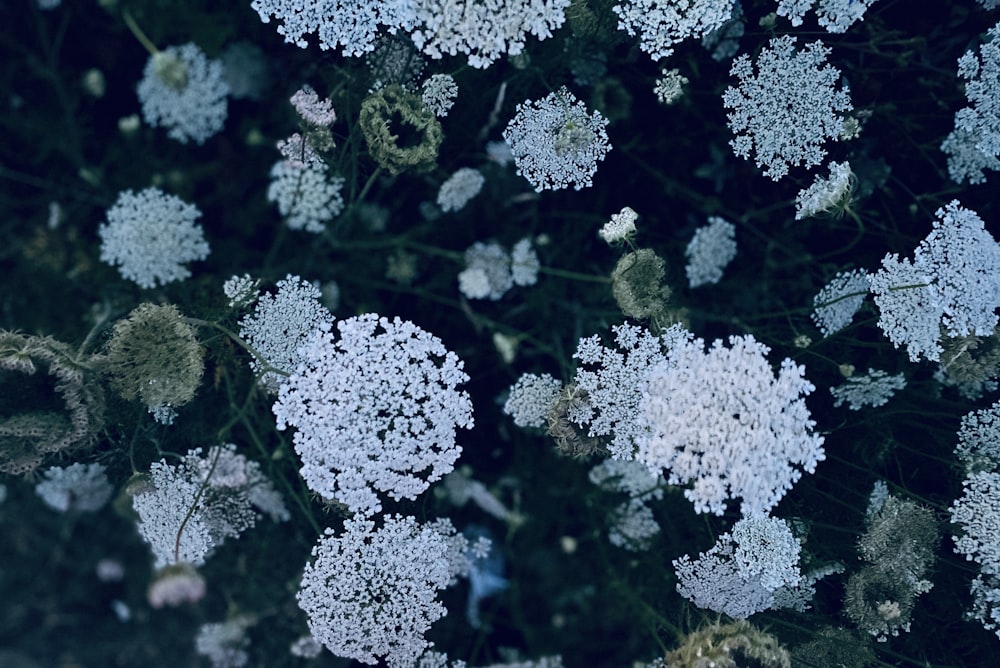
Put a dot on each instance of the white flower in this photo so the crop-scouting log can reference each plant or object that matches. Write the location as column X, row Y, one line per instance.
column 670, row 86
column 460, row 187
column 874, row 389
column 621, row 227
column 530, row 399
column 279, row 325
column 555, row 142
column 835, row 305
column 524, row 263
column 149, row 236
column 826, row 194
column 439, row 93
column 660, row 25
column 82, row 487
column 306, row 196
column 711, row 249
column 786, row 111
column 371, row 594
column 185, row 92
column 374, row 411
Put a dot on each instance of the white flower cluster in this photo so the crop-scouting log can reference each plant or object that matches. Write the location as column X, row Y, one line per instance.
column 279, row 325
column 530, row 399
column 374, row 411
column 835, row 305
column 150, row 235
column 483, row 31
column 661, row 24
column 978, row 510
column 966, row 162
column 490, row 271
column 438, row 93
column 740, row 574
column 78, row 487
column 621, row 227
column 633, row 524
column 224, row 644
column 874, row 389
column 710, row 250
column 613, row 382
column 460, row 187
column 982, row 89
column 826, row 193
column 313, row 110
column 979, row 440
column 187, row 510
column 371, row 594
column 307, row 197
column 725, row 423
column 185, row 92
column 834, row 15
column 784, row 113
column 952, row 283
column 556, row 143
column 670, row 86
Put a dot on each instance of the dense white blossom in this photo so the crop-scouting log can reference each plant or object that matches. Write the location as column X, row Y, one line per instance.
column 612, row 381
column 966, row 162
column 312, row 109
column 241, row 290
column 621, row 227
column 187, row 510
column 150, row 235
column 834, row 15
column 629, row 477
column 370, row 594
column 739, row 575
column 827, row 193
column 487, row 273
column 530, row 399
column 977, row 512
column 661, row 24
column 953, row 283
column 556, row 142
column 184, row 92
column 375, row 410
column 224, row 644
column 483, row 31
column 723, row 422
column 460, row 187
column 307, row 197
column 438, row 93
column 82, row 487
column 279, row 325
column 873, row 389
column 670, row 86
column 979, row 440
column 524, row 264
column 982, row 89
column 783, row 114
column 835, row 305
column 710, row 250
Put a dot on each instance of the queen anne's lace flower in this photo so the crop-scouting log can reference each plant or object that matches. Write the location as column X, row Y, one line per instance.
column 371, row 594
column 786, row 111
column 530, row 399
column 460, row 187
column 661, row 24
column 374, row 411
column 953, row 283
column 556, row 143
column 723, row 422
column 835, row 305
column 873, row 389
column 306, row 196
column 150, row 235
column 185, row 92
column 740, row 574
column 711, row 249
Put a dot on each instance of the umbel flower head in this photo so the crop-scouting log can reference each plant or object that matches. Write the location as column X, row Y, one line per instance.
column 185, row 92
column 154, row 356
column 637, row 284
column 150, row 235
column 402, row 133
column 556, row 142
